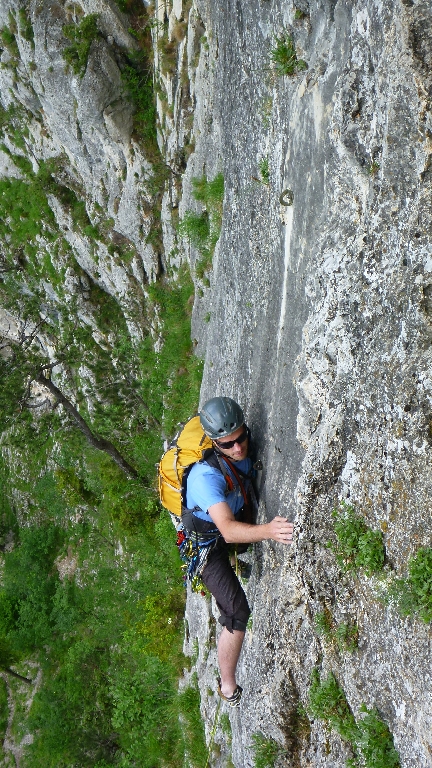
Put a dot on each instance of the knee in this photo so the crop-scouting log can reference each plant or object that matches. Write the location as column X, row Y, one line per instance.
column 238, row 621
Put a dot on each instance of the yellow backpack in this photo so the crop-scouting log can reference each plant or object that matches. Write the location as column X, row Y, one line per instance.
column 188, row 447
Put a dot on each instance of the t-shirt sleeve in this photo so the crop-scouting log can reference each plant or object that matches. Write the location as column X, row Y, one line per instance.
column 205, row 487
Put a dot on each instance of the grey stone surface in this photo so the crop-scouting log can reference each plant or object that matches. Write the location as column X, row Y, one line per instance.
column 320, row 326
column 87, row 121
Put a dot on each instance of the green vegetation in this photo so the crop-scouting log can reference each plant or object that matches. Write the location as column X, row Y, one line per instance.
column 375, row 741
column 7, row 37
column 25, row 214
column 81, row 36
column 139, row 87
column 413, row 595
column 4, row 709
column 225, row 724
column 91, row 587
column 369, row 737
column 344, row 635
column 13, row 121
column 327, row 701
column 266, row 751
column 168, row 53
column 189, row 701
column 284, row 57
column 25, row 25
column 357, row 547
column 264, row 170
column 203, row 229
column 373, row 168
column 109, row 635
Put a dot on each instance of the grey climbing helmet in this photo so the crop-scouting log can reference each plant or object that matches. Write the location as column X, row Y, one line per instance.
column 221, row 416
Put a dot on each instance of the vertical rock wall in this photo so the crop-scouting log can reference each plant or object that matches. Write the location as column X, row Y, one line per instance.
column 321, row 327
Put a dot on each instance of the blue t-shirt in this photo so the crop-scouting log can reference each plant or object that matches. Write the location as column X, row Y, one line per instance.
column 207, row 486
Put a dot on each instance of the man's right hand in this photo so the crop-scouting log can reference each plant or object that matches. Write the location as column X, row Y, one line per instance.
column 280, row 530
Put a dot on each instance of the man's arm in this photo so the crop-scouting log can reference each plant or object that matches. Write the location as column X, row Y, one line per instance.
column 234, row 532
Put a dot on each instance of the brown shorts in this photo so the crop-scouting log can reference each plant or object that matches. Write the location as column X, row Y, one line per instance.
column 220, row 579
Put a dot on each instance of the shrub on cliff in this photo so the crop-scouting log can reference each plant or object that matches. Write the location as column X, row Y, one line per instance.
column 81, row 36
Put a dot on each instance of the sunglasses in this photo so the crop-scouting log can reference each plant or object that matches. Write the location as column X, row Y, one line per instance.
column 231, row 443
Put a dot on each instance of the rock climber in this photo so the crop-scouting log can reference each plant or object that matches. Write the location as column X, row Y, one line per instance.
column 217, row 500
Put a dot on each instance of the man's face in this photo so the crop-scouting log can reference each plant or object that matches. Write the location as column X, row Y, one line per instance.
column 238, row 450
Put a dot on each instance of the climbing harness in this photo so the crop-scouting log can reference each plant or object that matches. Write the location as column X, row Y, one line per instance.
column 194, row 550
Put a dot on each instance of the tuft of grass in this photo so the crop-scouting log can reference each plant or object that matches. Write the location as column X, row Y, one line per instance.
column 357, row 547
column 323, row 624
column 168, row 54
column 344, row 636
column 8, row 39
column 25, row 26
column 203, row 229
column 209, row 192
column 327, row 701
column 225, row 724
column 81, row 36
column 139, row 87
column 413, row 595
column 196, row 227
column 373, row 168
column 266, row 751
column 264, row 170
column 284, row 57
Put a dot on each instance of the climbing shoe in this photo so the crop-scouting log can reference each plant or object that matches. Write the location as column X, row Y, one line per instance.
column 234, row 700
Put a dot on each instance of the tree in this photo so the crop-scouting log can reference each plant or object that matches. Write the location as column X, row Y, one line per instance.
column 20, row 366
column 8, row 657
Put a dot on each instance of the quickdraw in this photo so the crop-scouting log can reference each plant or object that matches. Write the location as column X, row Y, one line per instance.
column 193, row 554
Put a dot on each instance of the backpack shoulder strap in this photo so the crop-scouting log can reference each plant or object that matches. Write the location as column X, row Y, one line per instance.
column 214, row 460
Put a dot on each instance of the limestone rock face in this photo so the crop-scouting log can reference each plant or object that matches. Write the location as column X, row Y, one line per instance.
column 321, row 328
column 83, row 120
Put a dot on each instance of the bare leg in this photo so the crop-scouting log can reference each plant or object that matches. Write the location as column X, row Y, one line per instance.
column 229, row 647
